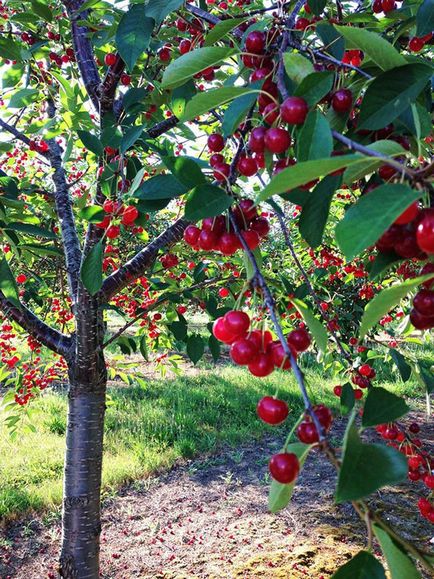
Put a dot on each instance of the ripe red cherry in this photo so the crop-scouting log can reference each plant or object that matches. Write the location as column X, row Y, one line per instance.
column 229, row 243
column 262, row 366
column 223, row 292
column 272, row 410
column 407, row 245
column 216, row 159
column 429, row 481
column 191, row 235
column 408, row 215
column 261, row 225
column 251, row 238
column 388, row 5
column 237, row 322
column 255, row 42
column 247, row 166
column 299, row 340
column 243, row 351
column 358, row 394
column 246, row 210
column 217, row 224
column 129, row 215
column 270, row 113
column 277, row 140
column 21, row 278
column 221, row 171
column 424, row 302
column 208, row 240
column 416, row 44
column 294, row 110
column 307, row 433
column 256, row 140
column 427, row 269
column 280, row 360
column 324, row 415
column 164, row 54
column 425, row 232
column 221, row 331
column 185, row 46
column 386, row 172
column 113, row 231
column 284, row 467
column 216, row 143
column 110, row 59
column 261, row 339
column 377, row 7
column 342, row 100
column 337, row 390
column 125, row 79
column 365, row 370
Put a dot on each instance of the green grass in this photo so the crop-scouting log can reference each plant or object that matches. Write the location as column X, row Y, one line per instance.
column 148, row 429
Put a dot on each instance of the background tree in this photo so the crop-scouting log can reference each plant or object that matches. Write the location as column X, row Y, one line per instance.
column 104, row 109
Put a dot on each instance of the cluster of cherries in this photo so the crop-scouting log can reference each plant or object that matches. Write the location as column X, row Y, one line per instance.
column 255, row 348
column 115, row 210
column 284, row 467
column 412, row 237
column 420, row 463
column 216, row 233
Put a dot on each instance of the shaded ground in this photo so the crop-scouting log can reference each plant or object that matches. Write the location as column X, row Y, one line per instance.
column 208, row 519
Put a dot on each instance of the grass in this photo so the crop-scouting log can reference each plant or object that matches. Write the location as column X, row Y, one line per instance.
column 149, row 428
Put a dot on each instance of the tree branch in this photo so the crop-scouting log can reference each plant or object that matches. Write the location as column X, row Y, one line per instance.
column 49, row 337
column 109, row 85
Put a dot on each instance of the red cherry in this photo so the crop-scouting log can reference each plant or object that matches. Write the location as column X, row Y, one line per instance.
column 237, row 322
column 280, row 360
column 104, row 223
column 299, row 340
column 164, row 54
column 377, row 7
column 416, row 44
column 407, row 245
column 221, row 171
column 223, row 292
column 113, row 231
column 261, row 225
column 429, row 481
column 342, row 100
column 427, row 269
column 271, row 112
column 221, row 331
column 208, row 240
column 414, row 428
column 110, row 59
column 425, row 232
column 246, row 211
column 262, row 366
column 365, row 370
column 408, row 215
column 125, row 79
column 216, row 159
column 388, row 5
column 386, row 172
column 216, row 143
column 243, row 351
column 251, row 238
column 229, row 243
column 277, row 140
column 337, row 390
column 294, row 110
column 324, row 415
column 129, row 215
column 185, row 46
column 256, row 140
column 284, row 467
column 255, row 42
column 272, row 410
column 216, row 224
column 358, row 394
column 21, row 278
column 191, row 235
column 423, row 302
column 307, row 433
column 261, row 339
column 247, row 166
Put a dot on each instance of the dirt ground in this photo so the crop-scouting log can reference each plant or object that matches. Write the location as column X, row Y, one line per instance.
column 208, row 518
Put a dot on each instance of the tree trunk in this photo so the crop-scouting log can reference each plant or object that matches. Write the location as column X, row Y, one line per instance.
column 81, row 521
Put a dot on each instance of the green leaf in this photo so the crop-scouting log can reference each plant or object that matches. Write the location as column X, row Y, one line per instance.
column 143, row 348
column 425, row 18
column 315, row 326
column 221, row 29
column 130, row 137
column 91, row 142
column 302, row 173
column 42, row 10
column 8, row 284
column 214, row 347
column 399, row 564
column 391, row 93
column 237, row 111
column 206, row 201
column 381, row 263
column 424, row 371
column 187, row 65
column 161, row 187
column 362, row 566
column 385, row 301
column 91, row 269
column 403, row 368
column 195, row 348
column 179, row 329
column 41, row 249
column 333, row 41
column 315, row 86
column 133, row 34
column 30, row 229
column 23, row 98
column 315, row 212
column 382, row 406
column 207, row 100
column 280, row 494
column 9, row 48
column 367, row 467
column 366, row 221
column 186, row 170
column 373, row 45
column 181, row 96
column 250, row 271
column 317, row 6
column 297, row 67
column 133, row 96
column 12, row 76
column 159, row 9
column 314, row 139
column 347, row 398
column 371, row 164
column 92, row 213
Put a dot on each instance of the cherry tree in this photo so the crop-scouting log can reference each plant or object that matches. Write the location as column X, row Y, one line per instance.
column 162, row 153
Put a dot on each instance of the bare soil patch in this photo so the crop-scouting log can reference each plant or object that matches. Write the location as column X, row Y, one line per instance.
column 208, row 518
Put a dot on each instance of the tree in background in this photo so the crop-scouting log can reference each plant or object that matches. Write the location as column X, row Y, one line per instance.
column 138, row 143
